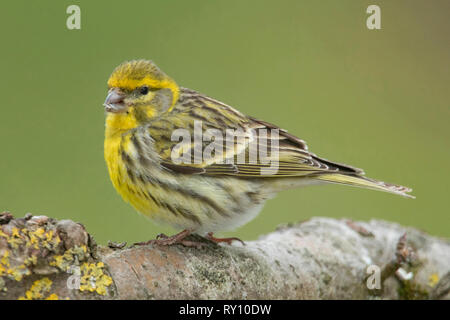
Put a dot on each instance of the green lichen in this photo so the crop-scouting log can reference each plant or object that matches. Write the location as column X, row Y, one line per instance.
column 215, row 277
column 326, row 278
column 409, row 290
column 69, row 258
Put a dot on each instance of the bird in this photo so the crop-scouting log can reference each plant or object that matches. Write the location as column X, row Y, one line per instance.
column 154, row 142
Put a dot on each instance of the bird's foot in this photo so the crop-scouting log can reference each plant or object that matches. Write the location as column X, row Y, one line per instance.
column 179, row 238
column 210, row 236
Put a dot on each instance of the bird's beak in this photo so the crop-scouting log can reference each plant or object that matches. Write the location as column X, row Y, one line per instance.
column 115, row 101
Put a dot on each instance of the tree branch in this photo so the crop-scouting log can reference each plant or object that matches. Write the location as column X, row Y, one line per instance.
column 322, row 258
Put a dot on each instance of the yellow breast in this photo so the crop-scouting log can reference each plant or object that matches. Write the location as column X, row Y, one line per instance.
column 116, row 142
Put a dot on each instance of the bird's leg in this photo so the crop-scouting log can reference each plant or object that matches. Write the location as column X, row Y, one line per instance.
column 210, row 236
column 163, row 240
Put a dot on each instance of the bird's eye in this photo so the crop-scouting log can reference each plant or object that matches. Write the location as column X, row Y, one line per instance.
column 143, row 90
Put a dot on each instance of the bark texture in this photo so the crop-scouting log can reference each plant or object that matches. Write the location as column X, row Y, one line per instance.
column 322, row 258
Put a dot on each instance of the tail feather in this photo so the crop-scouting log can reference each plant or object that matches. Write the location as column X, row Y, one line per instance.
column 363, row 182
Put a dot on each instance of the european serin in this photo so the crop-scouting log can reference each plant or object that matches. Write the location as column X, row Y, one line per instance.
column 179, row 183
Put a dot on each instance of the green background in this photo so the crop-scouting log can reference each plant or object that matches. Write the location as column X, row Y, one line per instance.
column 375, row 99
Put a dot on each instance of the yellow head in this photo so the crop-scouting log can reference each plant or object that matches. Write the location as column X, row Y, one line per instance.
column 138, row 92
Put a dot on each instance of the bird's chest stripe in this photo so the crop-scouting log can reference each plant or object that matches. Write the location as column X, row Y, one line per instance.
column 150, row 188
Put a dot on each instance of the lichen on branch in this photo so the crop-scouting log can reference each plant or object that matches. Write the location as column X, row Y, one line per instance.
column 322, row 258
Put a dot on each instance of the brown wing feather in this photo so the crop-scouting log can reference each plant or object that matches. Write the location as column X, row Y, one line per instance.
column 294, row 159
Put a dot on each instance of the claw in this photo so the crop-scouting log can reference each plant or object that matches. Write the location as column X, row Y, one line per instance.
column 161, row 236
column 179, row 238
column 210, row 236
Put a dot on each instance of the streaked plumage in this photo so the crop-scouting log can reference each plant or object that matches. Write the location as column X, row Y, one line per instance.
column 146, row 106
